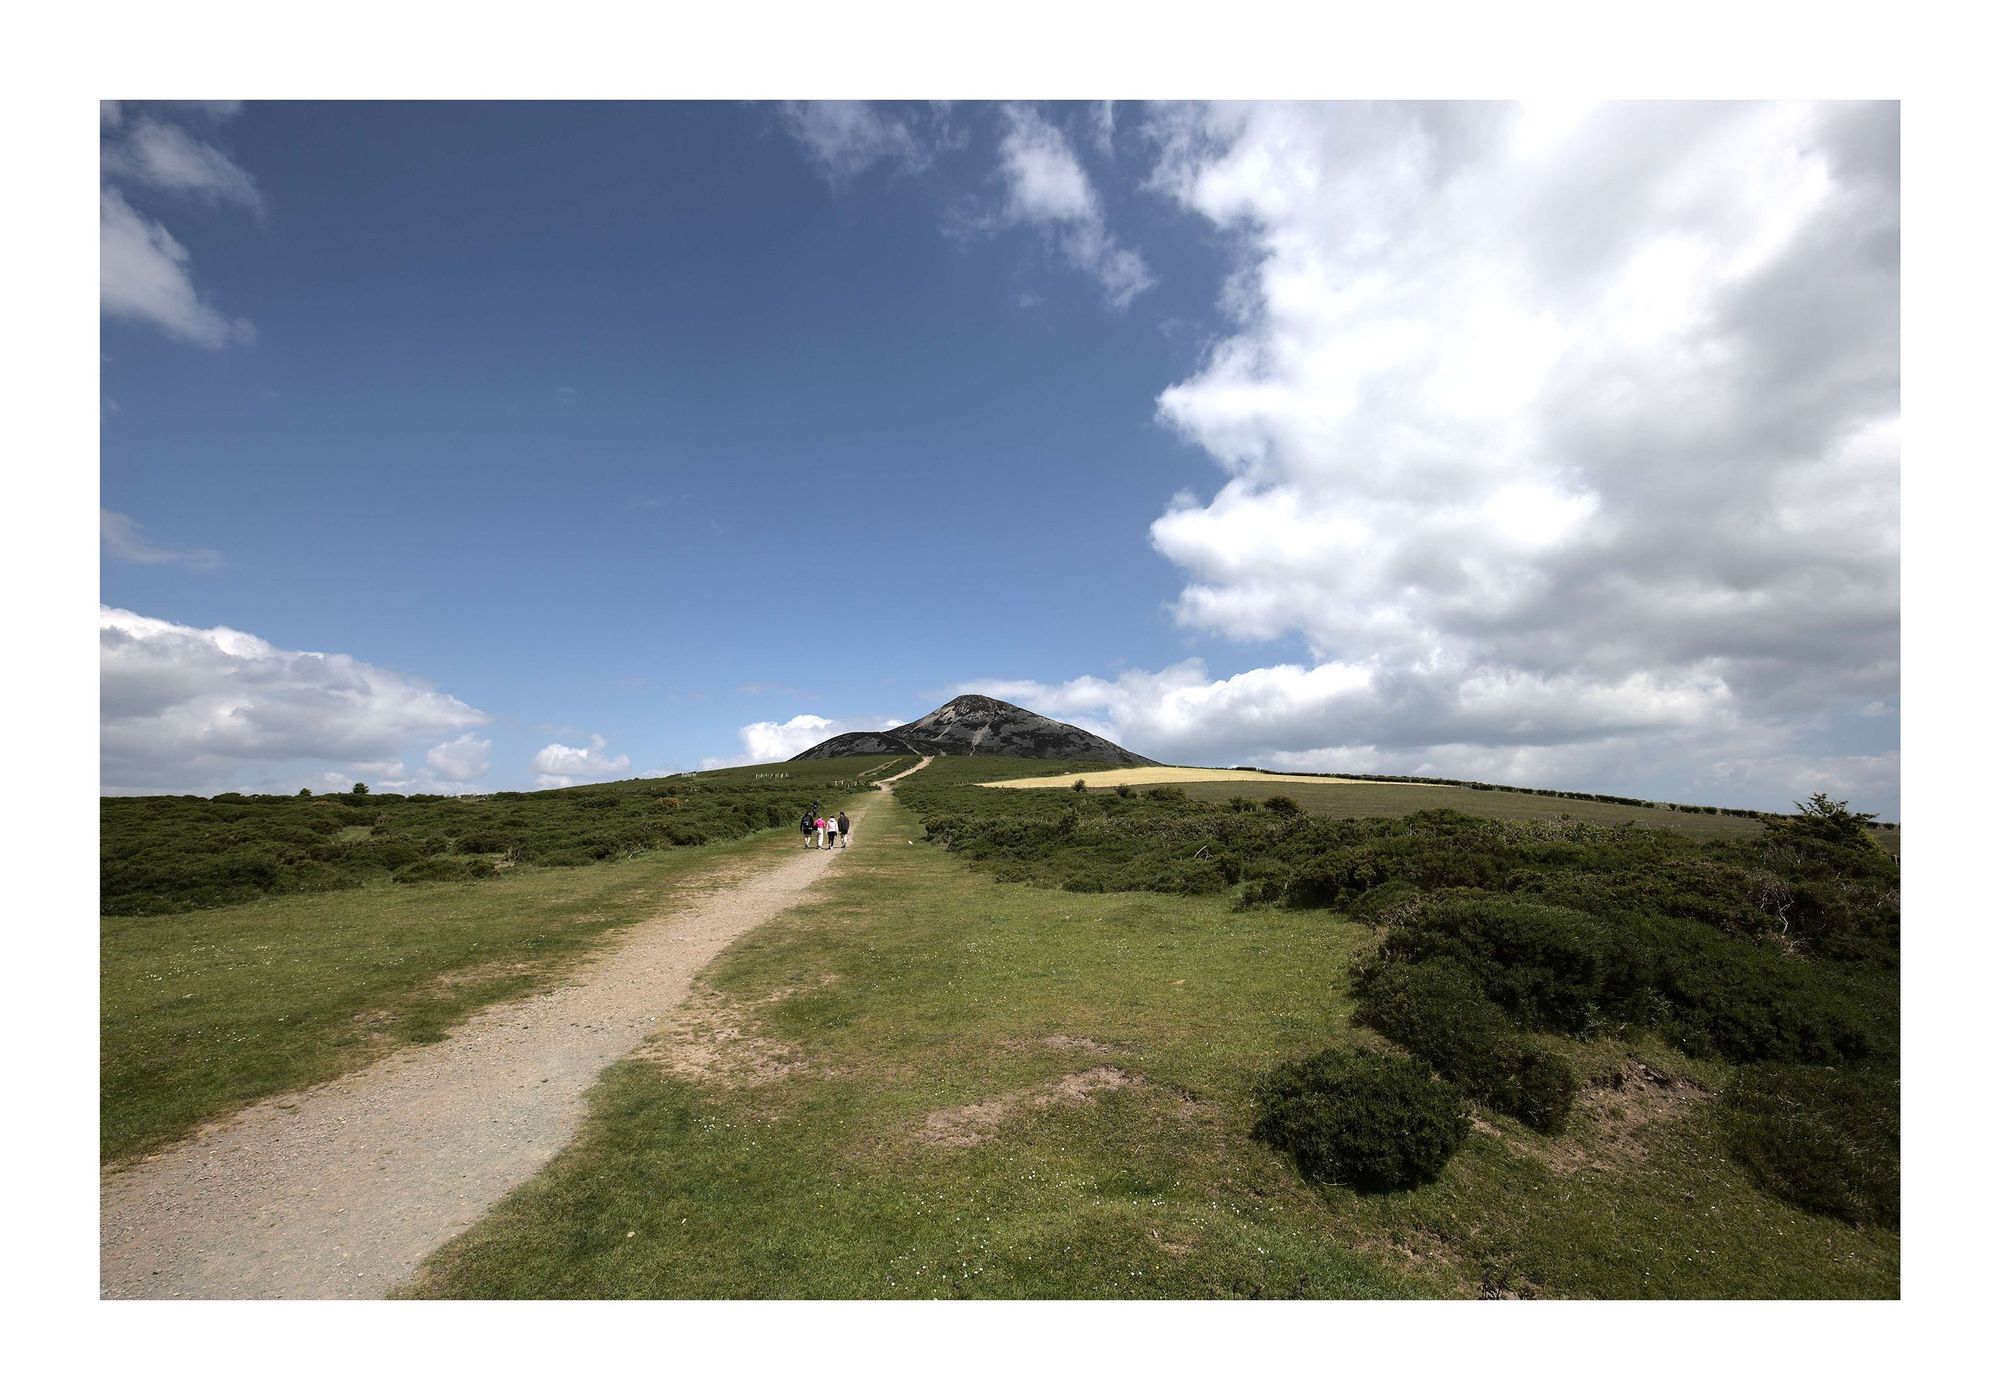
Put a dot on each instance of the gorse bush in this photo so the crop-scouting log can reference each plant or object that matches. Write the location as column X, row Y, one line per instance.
column 1437, row 1011
column 1373, row 1122
column 1777, row 951
column 1546, row 966
column 1787, row 886
column 1559, row 970
column 432, row 869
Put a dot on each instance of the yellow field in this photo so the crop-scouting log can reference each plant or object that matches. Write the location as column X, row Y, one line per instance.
column 1114, row 776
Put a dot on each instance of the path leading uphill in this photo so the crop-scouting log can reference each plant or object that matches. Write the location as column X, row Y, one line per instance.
column 345, row 1189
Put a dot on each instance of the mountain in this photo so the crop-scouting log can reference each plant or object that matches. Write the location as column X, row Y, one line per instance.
column 980, row 724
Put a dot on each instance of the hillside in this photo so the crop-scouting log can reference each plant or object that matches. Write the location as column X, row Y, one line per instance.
column 979, row 724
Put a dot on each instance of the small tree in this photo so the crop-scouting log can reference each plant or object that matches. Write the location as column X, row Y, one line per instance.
column 1078, row 786
column 1829, row 821
column 305, row 792
column 361, row 789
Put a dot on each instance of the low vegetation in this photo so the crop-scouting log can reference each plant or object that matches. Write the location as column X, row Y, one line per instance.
column 203, row 1012
column 927, row 1084
column 162, row 855
column 1373, row 1122
column 387, row 921
column 1496, row 943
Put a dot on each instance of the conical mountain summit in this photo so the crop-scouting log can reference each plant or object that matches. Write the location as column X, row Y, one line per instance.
column 979, row 724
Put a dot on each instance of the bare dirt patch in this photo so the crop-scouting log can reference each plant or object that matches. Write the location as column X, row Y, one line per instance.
column 711, row 1038
column 967, row 1125
column 1617, row 1118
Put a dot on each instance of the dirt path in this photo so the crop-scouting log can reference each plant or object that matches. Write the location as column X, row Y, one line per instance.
column 342, row 1190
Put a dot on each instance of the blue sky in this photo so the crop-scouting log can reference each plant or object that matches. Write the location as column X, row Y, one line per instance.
column 600, row 439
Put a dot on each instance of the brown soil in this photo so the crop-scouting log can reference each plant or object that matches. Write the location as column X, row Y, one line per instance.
column 1617, row 1118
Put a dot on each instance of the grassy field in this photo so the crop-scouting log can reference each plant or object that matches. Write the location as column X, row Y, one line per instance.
column 1163, row 773
column 163, row 855
column 204, row 1012
column 930, row 1085
column 1401, row 799
column 1351, row 797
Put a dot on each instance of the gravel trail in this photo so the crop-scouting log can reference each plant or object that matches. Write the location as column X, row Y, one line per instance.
column 341, row 1190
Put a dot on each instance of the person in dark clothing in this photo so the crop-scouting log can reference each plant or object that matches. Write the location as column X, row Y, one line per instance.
column 841, row 821
column 806, row 829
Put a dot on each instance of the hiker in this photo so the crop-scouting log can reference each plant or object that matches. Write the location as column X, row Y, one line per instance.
column 841, row 821
column 819, row 826
column 806, row 829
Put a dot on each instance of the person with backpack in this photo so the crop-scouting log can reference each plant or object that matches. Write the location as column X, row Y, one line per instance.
column 841, row 822
column 806, row 829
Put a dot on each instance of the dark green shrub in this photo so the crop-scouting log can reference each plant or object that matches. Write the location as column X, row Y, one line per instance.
column 1079, row 786
column 1544, row 965
column 1541, row 1089
column 443, row 868
column 380, row 852
column 1746, row 1002
column 1437, row 1011
column 1373, row 1122
column 1284, row 806
column 1828, row 1141
column 1385, row 904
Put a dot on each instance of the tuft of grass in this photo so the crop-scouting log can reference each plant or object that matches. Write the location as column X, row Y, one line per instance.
column 1826, row 1141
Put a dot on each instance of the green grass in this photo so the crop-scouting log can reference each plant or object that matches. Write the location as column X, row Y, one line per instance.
column 166, row 855
column 202, row 1013
column 1401, row 799
column 918, row 986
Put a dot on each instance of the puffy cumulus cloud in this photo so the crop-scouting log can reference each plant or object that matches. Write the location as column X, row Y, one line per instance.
column 774, row 741
column 561, row 765
column 1566, row 427
column 1635, row 738
column 461, row 760
column 121, row 538
column 844, row 139
column 143, row 270
column 1047, row 188
column 190, row 709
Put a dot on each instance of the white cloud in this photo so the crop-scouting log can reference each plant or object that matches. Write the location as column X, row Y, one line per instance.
column 774, row 741
column 461, row 760
column 121, row 538
column 188, row 709
column 1575, row 434
column 168, row 157
column 560, row 765
column 143, row 269
column 844, row 139
column 1639, row 738
column 1047, row 188
column 143, row 276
